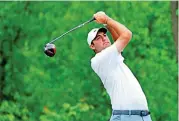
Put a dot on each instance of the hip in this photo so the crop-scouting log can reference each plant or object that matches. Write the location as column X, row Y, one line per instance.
column 130, row 115
column 130, row 118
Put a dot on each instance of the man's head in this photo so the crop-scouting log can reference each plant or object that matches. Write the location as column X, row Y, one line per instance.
column 98, row 39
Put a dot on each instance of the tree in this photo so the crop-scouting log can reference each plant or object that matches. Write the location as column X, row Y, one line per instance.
column 174, row 15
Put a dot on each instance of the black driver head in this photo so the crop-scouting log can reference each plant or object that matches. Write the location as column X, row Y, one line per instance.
column 50, row 50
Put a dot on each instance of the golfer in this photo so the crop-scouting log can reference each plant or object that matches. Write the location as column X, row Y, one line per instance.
column 127, row 98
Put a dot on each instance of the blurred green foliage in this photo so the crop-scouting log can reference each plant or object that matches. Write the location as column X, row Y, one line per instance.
column 35, row 87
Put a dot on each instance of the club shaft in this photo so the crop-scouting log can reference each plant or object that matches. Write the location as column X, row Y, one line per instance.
column 79, row 26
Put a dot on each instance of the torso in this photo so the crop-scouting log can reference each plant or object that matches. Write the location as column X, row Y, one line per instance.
column 121, row 85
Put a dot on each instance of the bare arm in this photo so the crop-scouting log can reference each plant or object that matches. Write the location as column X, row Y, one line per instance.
column 113, row 33
column 124, row 34
column 119, row 32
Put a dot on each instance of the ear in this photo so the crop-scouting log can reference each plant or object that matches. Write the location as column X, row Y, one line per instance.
column 92, row 46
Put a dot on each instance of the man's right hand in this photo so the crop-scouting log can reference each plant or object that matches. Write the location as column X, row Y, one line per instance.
column 101, row 17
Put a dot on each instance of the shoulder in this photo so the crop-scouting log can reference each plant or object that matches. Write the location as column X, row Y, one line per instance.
column 105, row 55
column 94, row 61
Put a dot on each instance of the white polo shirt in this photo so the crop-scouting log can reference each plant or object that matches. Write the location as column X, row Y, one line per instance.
column 121, row 85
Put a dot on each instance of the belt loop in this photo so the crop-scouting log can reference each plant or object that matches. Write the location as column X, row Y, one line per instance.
column 129, row 112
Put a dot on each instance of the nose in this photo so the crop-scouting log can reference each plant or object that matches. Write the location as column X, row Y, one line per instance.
column 104, row 38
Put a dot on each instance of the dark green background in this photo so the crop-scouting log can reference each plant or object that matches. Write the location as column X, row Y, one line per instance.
column 35, row 87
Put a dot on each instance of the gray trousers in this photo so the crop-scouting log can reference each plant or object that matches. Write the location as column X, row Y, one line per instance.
column 130, row 118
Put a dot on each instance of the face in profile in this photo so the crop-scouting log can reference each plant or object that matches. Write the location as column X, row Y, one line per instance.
column 100, row 42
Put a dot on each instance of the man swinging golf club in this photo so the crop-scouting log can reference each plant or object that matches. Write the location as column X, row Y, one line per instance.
column 127, row 98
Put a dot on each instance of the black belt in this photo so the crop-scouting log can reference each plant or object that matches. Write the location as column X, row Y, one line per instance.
column 131, row 112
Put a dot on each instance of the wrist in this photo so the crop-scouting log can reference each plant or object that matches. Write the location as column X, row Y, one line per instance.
column 107, row 20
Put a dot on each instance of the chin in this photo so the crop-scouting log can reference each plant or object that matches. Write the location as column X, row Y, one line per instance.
column 107, row 45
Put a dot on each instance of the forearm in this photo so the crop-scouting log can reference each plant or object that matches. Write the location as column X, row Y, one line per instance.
column 117, row 30
column 112, row 32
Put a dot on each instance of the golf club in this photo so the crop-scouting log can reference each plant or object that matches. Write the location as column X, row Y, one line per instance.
column 50, row 48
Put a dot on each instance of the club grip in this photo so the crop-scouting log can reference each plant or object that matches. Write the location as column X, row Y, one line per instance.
column 92, row 19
